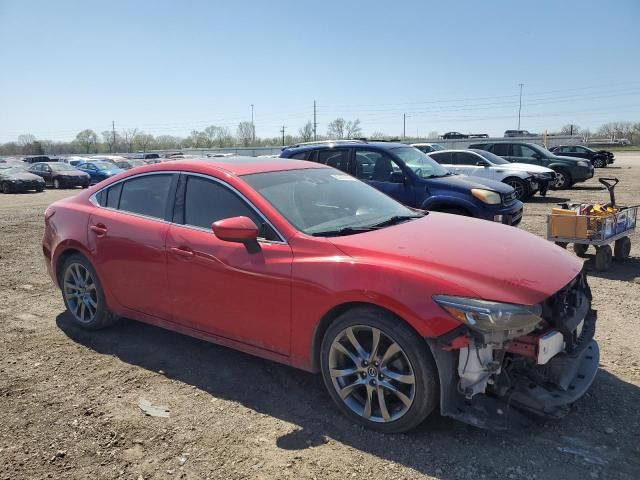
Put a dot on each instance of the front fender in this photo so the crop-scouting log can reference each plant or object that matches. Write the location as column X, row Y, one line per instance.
column 440, row 202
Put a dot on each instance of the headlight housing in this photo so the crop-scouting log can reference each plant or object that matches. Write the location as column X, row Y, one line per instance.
column 583, row 164
column 486, row 196
column 489, row 317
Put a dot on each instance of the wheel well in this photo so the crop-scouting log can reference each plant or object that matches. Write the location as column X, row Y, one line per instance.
column 61, row 259
column 505, row 180
column 328, row 319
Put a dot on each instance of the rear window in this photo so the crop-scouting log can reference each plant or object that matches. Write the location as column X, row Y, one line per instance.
column 146, row 195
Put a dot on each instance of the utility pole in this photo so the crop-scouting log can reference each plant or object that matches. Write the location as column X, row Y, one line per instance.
column 315, row 123
column 113, row 129
column 253, row 127
column 404, row 126
column 282, row 131
column 520, row 106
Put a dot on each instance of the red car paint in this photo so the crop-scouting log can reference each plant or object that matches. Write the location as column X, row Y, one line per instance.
column 271, row 303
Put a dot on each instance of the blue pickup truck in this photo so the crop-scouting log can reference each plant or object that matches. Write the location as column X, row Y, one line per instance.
column 411, row 177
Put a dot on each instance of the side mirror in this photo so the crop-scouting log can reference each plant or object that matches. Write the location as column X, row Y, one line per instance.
column 482, row 163
column 396, row 177
column 236, row 229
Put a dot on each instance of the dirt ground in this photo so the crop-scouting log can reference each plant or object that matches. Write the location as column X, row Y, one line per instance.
column 69, row 398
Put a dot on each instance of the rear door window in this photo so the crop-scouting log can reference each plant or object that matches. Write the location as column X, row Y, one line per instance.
column 300, row 156
column 502, row 149
column 336, row 158
column 442, row 157
column 146, row 195
column 464, row 158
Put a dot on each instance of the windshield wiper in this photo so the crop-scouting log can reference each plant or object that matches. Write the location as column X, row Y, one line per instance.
column 395, row 219
column 343, row 231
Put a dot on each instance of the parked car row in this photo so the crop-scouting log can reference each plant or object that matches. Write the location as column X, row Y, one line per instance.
column 400, row 310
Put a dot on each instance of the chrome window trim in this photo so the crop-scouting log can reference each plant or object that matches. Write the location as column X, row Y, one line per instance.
column 94, row 201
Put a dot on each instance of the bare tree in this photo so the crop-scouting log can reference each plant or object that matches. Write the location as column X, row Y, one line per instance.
column 87, row 139
column 111, row 140
column 143, row 141
column 433, row 134
column 128, row 137
column 352, row 129
column 166, row 142
column 26, row 139
column 245, row 133
column 570, row 129
column 306, row 132
column 336, row 129
column 608, row 130
column 379, row 135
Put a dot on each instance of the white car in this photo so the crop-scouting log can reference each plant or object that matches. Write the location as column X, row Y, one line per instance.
column 428, row 147
column 526, row 179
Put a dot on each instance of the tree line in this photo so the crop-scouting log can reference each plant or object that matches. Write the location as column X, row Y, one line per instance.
column 134, row 140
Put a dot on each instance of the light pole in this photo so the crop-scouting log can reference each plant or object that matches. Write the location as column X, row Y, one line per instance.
column 253, row 126
column 520, row 106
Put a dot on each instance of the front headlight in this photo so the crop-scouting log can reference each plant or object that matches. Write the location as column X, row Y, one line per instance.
column 487, row 317
column 583, row 164
column 486, row 196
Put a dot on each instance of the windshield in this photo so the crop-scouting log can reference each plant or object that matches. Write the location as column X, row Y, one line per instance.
column 421, row 164
column 492, row 157
column 101, row 165
column 10, row 170
column 61, row 167
column 325, row 200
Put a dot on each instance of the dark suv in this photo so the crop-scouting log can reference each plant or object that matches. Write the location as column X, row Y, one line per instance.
column 568, row 170
column 412, row 178
column 599, row 158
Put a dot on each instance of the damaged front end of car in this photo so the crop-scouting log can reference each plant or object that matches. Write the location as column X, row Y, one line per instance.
column 506, row 360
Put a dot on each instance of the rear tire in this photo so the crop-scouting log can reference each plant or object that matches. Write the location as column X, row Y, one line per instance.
column 622, row 248
column 83, row 294
column 390, row 384
column 4, row 187
column 56, row 184
column 603, row 258
column 580, row 249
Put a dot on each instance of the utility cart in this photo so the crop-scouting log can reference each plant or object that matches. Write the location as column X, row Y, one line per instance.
column 585, row 224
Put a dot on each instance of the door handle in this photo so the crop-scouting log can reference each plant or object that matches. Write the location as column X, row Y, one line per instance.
column 99, row 229
column 185, row 252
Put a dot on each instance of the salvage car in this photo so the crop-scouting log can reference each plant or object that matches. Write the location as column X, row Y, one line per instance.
column 99, row 170
column 599, row 158
column 15, row 178
column 525, row 179
column 412, row 178
column 398, row 309
column 60, row 175
column 129, row 163
column 569, row 171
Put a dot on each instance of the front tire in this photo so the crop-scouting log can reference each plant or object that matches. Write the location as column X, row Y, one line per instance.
column 5, row 188
column 599, row 163
column 562, row 180
column 519, row 186
column 378, row 371
column 83, row 294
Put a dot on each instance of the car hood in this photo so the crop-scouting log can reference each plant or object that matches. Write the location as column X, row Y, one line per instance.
column 21, row 176
column 488, row 260
column 527, row 167
column 568, row 159
column 71, row 173
column 466, row 183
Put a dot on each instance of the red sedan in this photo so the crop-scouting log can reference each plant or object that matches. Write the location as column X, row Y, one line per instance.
column 401, row 310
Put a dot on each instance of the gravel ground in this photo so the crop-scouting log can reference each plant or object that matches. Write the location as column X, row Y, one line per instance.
column 69, row 398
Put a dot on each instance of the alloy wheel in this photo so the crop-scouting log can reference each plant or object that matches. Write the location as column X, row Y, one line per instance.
column 56, row 183
column 371, row 374
column 80, row 292
column 517, row 187
column 559, row 180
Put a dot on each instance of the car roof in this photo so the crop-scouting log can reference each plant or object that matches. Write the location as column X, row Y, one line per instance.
column 346, row 144
column 237, row 165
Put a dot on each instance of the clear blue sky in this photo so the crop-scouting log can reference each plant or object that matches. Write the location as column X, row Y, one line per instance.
column 168, row 67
